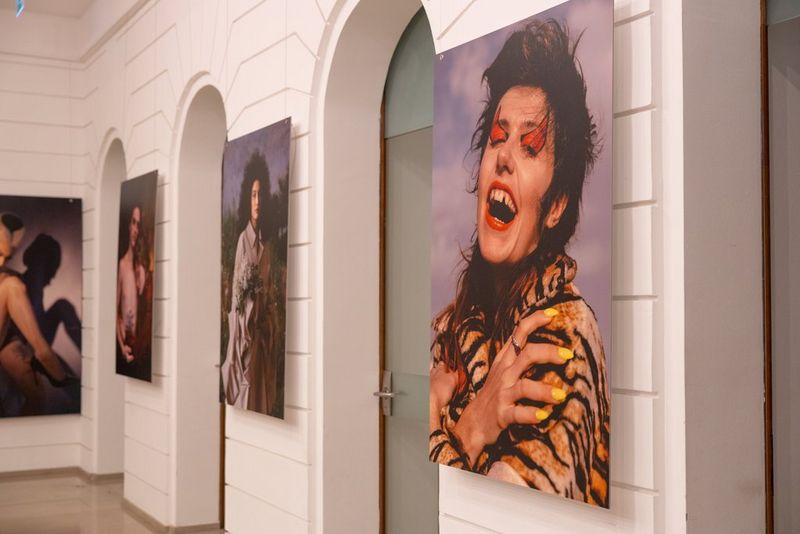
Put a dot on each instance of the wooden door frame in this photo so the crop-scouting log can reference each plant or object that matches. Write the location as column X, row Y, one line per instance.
column 767, row 274
column 222, row 412
column 382, row 319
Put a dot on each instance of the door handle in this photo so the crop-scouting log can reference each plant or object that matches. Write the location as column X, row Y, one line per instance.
column 386, row 394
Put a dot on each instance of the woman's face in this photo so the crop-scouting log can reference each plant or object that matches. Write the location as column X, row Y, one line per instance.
column 133, row 226
column 254, row 207
column 515, row 173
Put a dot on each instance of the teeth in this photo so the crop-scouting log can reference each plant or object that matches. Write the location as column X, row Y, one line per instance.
column 499, row 195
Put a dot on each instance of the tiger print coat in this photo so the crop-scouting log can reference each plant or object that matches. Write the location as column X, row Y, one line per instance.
column 567, row 454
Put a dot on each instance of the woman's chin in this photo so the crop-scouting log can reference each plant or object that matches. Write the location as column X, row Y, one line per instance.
column 495, row 249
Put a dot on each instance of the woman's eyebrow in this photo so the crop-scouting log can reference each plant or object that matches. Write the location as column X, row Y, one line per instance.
column 536, row 124
column 532, row 124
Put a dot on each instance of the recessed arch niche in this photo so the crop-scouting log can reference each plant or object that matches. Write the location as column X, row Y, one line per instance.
column 347, row 267
column 109, row 387
column 196, row 357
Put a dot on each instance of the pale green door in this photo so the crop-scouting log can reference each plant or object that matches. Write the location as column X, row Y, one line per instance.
column 411, row 497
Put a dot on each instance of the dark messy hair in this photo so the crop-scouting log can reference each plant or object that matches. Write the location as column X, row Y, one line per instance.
column 255, row 170
column 540, row 55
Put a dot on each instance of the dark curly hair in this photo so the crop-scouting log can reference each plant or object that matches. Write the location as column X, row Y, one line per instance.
column 255, row 170
column 540, row 55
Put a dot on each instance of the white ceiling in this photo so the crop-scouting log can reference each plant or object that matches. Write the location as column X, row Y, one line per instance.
column 60, row 8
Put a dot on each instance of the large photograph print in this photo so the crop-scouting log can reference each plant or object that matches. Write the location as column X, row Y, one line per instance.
column 41, row 252
column 521, row 254
column 255, row 216
column 135, row 275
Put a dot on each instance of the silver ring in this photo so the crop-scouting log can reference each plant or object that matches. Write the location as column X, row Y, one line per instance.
column 517, row 346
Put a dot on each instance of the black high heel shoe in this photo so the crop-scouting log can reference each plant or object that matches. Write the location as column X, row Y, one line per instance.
column 68, row 380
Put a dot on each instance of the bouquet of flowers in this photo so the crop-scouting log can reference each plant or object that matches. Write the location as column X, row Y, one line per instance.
column 250, row 284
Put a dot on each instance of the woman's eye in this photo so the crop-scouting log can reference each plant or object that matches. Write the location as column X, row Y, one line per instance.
column 496, row 135
column 533, row 141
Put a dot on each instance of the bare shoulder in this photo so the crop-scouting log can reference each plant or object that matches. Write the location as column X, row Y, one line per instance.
column 11, row 282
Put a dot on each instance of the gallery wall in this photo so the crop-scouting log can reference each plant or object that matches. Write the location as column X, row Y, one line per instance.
column 647, row 377
column 266, row 59
column 39, row 157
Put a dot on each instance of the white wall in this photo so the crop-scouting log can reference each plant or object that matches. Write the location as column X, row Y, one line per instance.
column 267, row 59
column 39, row 156
column 725, row 460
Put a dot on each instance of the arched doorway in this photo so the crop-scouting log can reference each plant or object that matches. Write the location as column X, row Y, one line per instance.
column 197, row 435
column 348, row 263
column 109, row 415
column 410, row 481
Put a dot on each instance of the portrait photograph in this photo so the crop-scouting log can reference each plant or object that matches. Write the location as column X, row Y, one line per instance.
column 41, row 264
column 136, row 260
column 521, row 253
column 255, row 217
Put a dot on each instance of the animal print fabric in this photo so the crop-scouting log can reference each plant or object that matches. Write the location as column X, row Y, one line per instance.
column 568, row 453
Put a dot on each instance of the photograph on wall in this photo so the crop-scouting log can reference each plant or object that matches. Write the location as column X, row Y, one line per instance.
column 136, row 259
column 521, row 254
column 255, row 217
column 41, row 278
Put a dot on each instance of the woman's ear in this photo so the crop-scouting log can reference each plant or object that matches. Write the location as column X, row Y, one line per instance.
column 556, row 211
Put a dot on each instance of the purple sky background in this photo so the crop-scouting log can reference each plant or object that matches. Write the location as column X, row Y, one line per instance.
column 458, row 101
column 272, row 141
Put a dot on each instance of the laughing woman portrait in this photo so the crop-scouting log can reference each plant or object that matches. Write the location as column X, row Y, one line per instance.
column 518, row 379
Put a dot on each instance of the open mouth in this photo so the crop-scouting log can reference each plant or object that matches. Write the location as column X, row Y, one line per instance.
column 501, row 208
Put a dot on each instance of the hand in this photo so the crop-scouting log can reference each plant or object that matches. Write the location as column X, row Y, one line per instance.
column 127, row 351
column 495, row 406
column 443, row 384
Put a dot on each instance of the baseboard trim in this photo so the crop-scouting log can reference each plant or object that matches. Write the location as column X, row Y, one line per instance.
column 35, row 474
column 101, row 478
column 194, row 528
column 157, row 526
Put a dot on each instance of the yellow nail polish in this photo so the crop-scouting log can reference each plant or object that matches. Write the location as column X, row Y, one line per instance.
column 551, row 312
column 558, row 394
column 541, row 415
column 565, row 353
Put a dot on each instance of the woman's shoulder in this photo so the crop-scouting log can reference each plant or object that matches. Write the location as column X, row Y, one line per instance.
column 575, row 318
column 5, row 272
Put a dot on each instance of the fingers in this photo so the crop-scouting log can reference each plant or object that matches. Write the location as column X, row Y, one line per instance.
column 534, row 353
column 538, row 391
column 528, row 415
column 533, row 322
column 524, row 328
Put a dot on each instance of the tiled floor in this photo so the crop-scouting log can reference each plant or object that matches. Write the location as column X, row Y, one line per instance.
column 66, row 505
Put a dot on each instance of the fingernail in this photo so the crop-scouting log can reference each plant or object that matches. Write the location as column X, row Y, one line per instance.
column 541, row 415
column 565, row 353
column 551, row 312
column 558, row 394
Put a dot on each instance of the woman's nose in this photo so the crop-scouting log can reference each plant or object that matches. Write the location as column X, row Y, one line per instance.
column 505, row 160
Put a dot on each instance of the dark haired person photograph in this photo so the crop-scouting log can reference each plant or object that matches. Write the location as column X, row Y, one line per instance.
column 40, row 294
column 519, row 377
column 135, row 275
column 255, row 212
